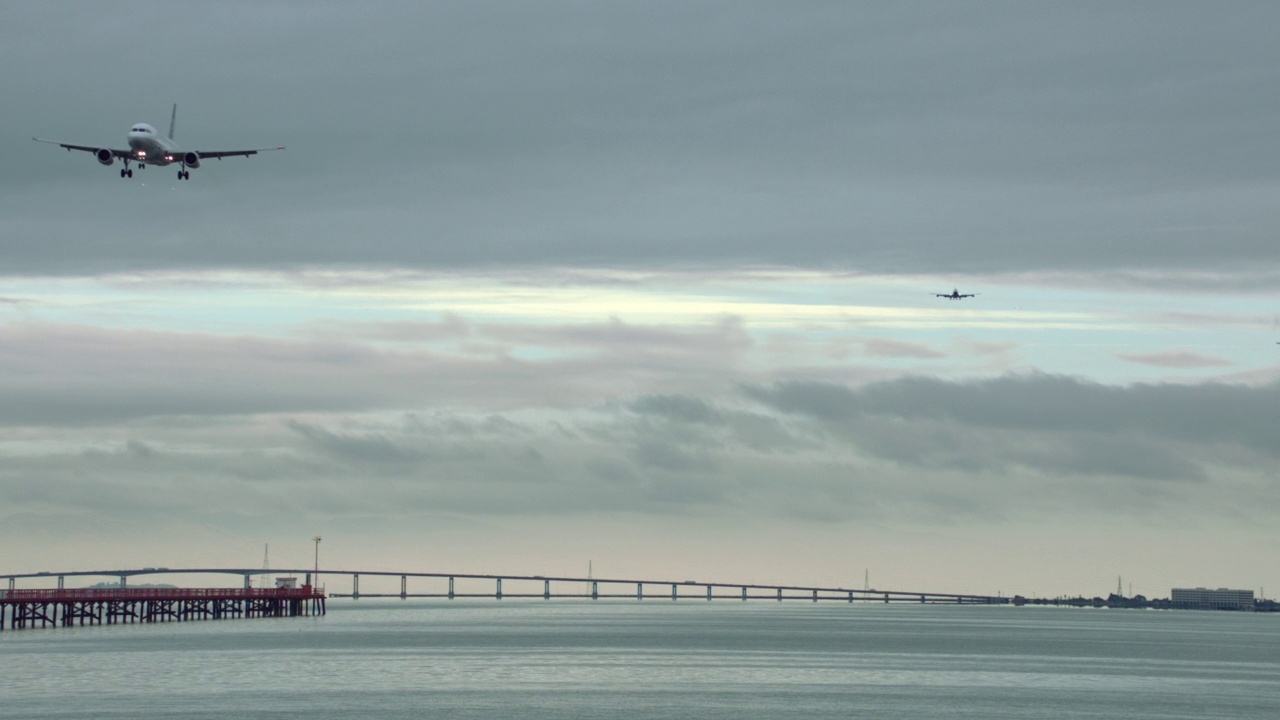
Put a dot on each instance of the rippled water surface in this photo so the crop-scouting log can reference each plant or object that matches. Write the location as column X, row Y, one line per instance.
column 528, row 660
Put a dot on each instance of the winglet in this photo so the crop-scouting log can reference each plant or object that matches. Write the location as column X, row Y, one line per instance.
column 173, row 120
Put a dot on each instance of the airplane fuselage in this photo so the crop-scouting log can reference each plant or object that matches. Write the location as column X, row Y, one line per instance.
column 151, row 147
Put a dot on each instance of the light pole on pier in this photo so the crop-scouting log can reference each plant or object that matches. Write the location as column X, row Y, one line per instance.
column 316, row 577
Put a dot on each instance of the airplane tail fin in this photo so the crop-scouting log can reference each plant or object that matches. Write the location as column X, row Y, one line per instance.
column 173, row 120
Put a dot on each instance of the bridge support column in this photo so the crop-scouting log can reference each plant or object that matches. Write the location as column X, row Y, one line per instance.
column 886, row 598
column 815, row 596
column 355, row 586
column 124, row 582
column 744, row 594
column 595, row 590
column 708, row 593
column 246, row 581
column 498, row 593
column 404, row 587
column 639, row 591
column 450, row 588
column 10, row 583
column 850, row 596
column 921, row 599
column 546, row 589
column 779, row 594
column 59, row 582
column 673, row 591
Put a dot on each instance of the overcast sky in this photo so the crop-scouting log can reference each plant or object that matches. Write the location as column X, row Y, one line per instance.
column 648, row 284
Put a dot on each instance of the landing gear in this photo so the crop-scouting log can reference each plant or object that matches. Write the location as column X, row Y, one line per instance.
column 184, row 174
column 125, row 172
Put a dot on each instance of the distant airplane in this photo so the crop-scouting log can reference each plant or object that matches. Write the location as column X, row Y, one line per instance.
column 146, row 146
column 955, row 295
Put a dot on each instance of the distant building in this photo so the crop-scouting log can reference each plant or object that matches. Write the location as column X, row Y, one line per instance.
column 1205, row 599
column 287, row 583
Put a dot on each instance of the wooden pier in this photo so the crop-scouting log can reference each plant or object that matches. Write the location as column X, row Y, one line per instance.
column 64, row 608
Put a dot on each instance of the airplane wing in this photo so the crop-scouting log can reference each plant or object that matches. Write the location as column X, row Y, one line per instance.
column 87, row 148
column 206, row 154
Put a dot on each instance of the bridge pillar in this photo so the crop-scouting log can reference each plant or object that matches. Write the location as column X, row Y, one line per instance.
column 921, row 599
column 546, row 589
column 744, row 594
column 595, row 590
column 850, row 596
column 639, row 591
column 404, row 587
column 708, row 593
column 886, row 598
column 673, row 591
column 779, row 594
column 10, row 583
column 124, row 582
column 308, row 581
column 450, row 588
column 59, row 582
column 815, row 596
column 355, row 586
column 498, row 594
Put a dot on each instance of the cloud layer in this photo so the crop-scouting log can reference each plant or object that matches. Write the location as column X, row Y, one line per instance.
column 914, row 138
column 649, row 281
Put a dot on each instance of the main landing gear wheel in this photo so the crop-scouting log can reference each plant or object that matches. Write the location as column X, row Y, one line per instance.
column 124, row 172
column 184, row 174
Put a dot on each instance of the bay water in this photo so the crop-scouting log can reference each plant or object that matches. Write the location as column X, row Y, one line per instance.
column 530, row 660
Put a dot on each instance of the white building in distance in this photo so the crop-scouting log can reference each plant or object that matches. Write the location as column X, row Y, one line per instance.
column 1205, row 599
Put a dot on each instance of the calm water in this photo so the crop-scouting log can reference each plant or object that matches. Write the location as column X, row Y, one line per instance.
column 527, row 661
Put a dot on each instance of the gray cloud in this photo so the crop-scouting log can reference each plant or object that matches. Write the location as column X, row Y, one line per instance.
column 56, row 374
column 880, row 347
column 1057, row 425
column 1175, row 359
column 884, row 451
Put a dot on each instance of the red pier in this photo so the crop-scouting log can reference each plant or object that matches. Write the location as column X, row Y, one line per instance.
column 64, row 608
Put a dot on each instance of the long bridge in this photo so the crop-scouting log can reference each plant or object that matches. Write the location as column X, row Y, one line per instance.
column 61, row 606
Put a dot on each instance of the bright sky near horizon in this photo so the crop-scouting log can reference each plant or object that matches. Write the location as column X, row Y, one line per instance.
column 650, row 285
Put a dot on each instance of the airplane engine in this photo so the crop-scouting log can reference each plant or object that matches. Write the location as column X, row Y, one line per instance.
column 191, row 159
column 105, row 156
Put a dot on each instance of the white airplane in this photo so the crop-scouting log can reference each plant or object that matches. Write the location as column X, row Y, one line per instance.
column 148, row 146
